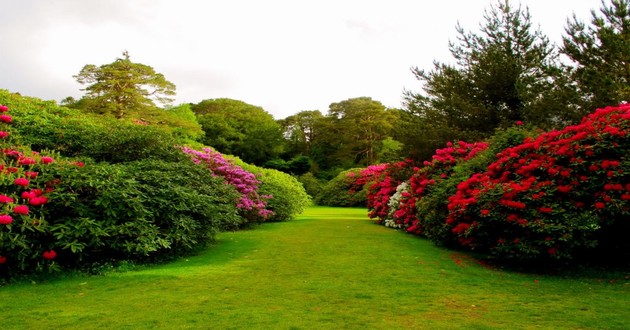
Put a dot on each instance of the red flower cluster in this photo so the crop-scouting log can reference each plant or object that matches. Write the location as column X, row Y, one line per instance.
column 568, row 182
column 420, row 183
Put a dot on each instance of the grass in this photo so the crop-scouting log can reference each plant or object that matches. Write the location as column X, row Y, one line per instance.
column 329, row 269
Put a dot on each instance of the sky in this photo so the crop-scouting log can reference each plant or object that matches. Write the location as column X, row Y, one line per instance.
column 285, row 56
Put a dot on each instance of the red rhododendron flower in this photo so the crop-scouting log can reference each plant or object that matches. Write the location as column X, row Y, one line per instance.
column 4, row 108
column 485, row 212
column 3, row 134
column 31, row 174
column 3, row 259
column 6, row 199
column 21, row 182
column 600, row 205
column 20, row 209
column 545, row 209
column 5, row 219
column 49, row 255
column 36, row 201
column 47, row 160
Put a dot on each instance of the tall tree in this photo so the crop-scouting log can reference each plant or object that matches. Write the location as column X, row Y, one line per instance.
column 503, row 74
column 122, row 86
column 237, row 128
column 299, row 130
column 601, row 55
column 356, row 128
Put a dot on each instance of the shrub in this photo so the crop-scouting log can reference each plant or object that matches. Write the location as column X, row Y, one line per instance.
column 552, row 197
column 251, row 204
column 46, row 126
column 432, row 208
column 350, row 187
column 288, row 196
column 312, row 185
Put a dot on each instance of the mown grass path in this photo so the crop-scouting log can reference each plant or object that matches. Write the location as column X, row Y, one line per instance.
column 329, row 269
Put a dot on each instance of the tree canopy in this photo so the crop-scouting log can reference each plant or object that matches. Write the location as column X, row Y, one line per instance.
column 237, row 128
column 504, row 73
column 600, row 53
column 122, row 86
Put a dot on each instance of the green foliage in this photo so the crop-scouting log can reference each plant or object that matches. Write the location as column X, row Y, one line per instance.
column 288, row 195
column 342, row 190
column 300, row 131
column 179, row 121
column 353, row 131
column 503, row 74
column 601, row 55
column 297, row 165
column 45, row 125
column 240, row 129
column 122, row 86
column 312, row 185
column 147, row 210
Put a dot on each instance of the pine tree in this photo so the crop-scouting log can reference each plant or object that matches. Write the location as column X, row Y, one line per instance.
column 601, row 56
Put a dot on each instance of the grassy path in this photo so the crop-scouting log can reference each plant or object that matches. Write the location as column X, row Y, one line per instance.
column 329, row 269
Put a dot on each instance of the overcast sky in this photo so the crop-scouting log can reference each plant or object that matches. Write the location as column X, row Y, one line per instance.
column 283, row 55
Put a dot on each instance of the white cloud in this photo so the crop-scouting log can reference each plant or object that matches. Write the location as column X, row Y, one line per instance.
column 285, row 56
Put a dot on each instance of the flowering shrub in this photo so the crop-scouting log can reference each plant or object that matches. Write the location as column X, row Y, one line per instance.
column 289, row 196
column 401, row 210
column 23, row 194
column 384, row 187
column 553, row 196
column 251, row 205
column 350, row 187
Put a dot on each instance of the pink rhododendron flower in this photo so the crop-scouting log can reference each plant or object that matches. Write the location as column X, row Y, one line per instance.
column 6, row 118
column 4, row 108
column 3, row 134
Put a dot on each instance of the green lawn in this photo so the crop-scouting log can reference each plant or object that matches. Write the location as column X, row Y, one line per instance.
column 329, row 269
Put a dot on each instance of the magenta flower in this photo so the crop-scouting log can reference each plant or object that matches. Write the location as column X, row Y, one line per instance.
column 21, row 209
column 47, row 160
column 6, row 118
column 5, row 219
column 21, row 182
column 6, row 199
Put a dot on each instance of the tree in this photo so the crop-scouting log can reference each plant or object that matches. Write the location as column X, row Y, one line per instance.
column 601, row 54
column 504, row 74
column 299, row 130
column 356, row 128
column 240, row 129
column 122, row 86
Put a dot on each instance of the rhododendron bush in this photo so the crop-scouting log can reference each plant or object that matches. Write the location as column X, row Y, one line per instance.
column 558, row 195
column 553, row 196
column 251, row 205
column 350, row 187
column 401, row 210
